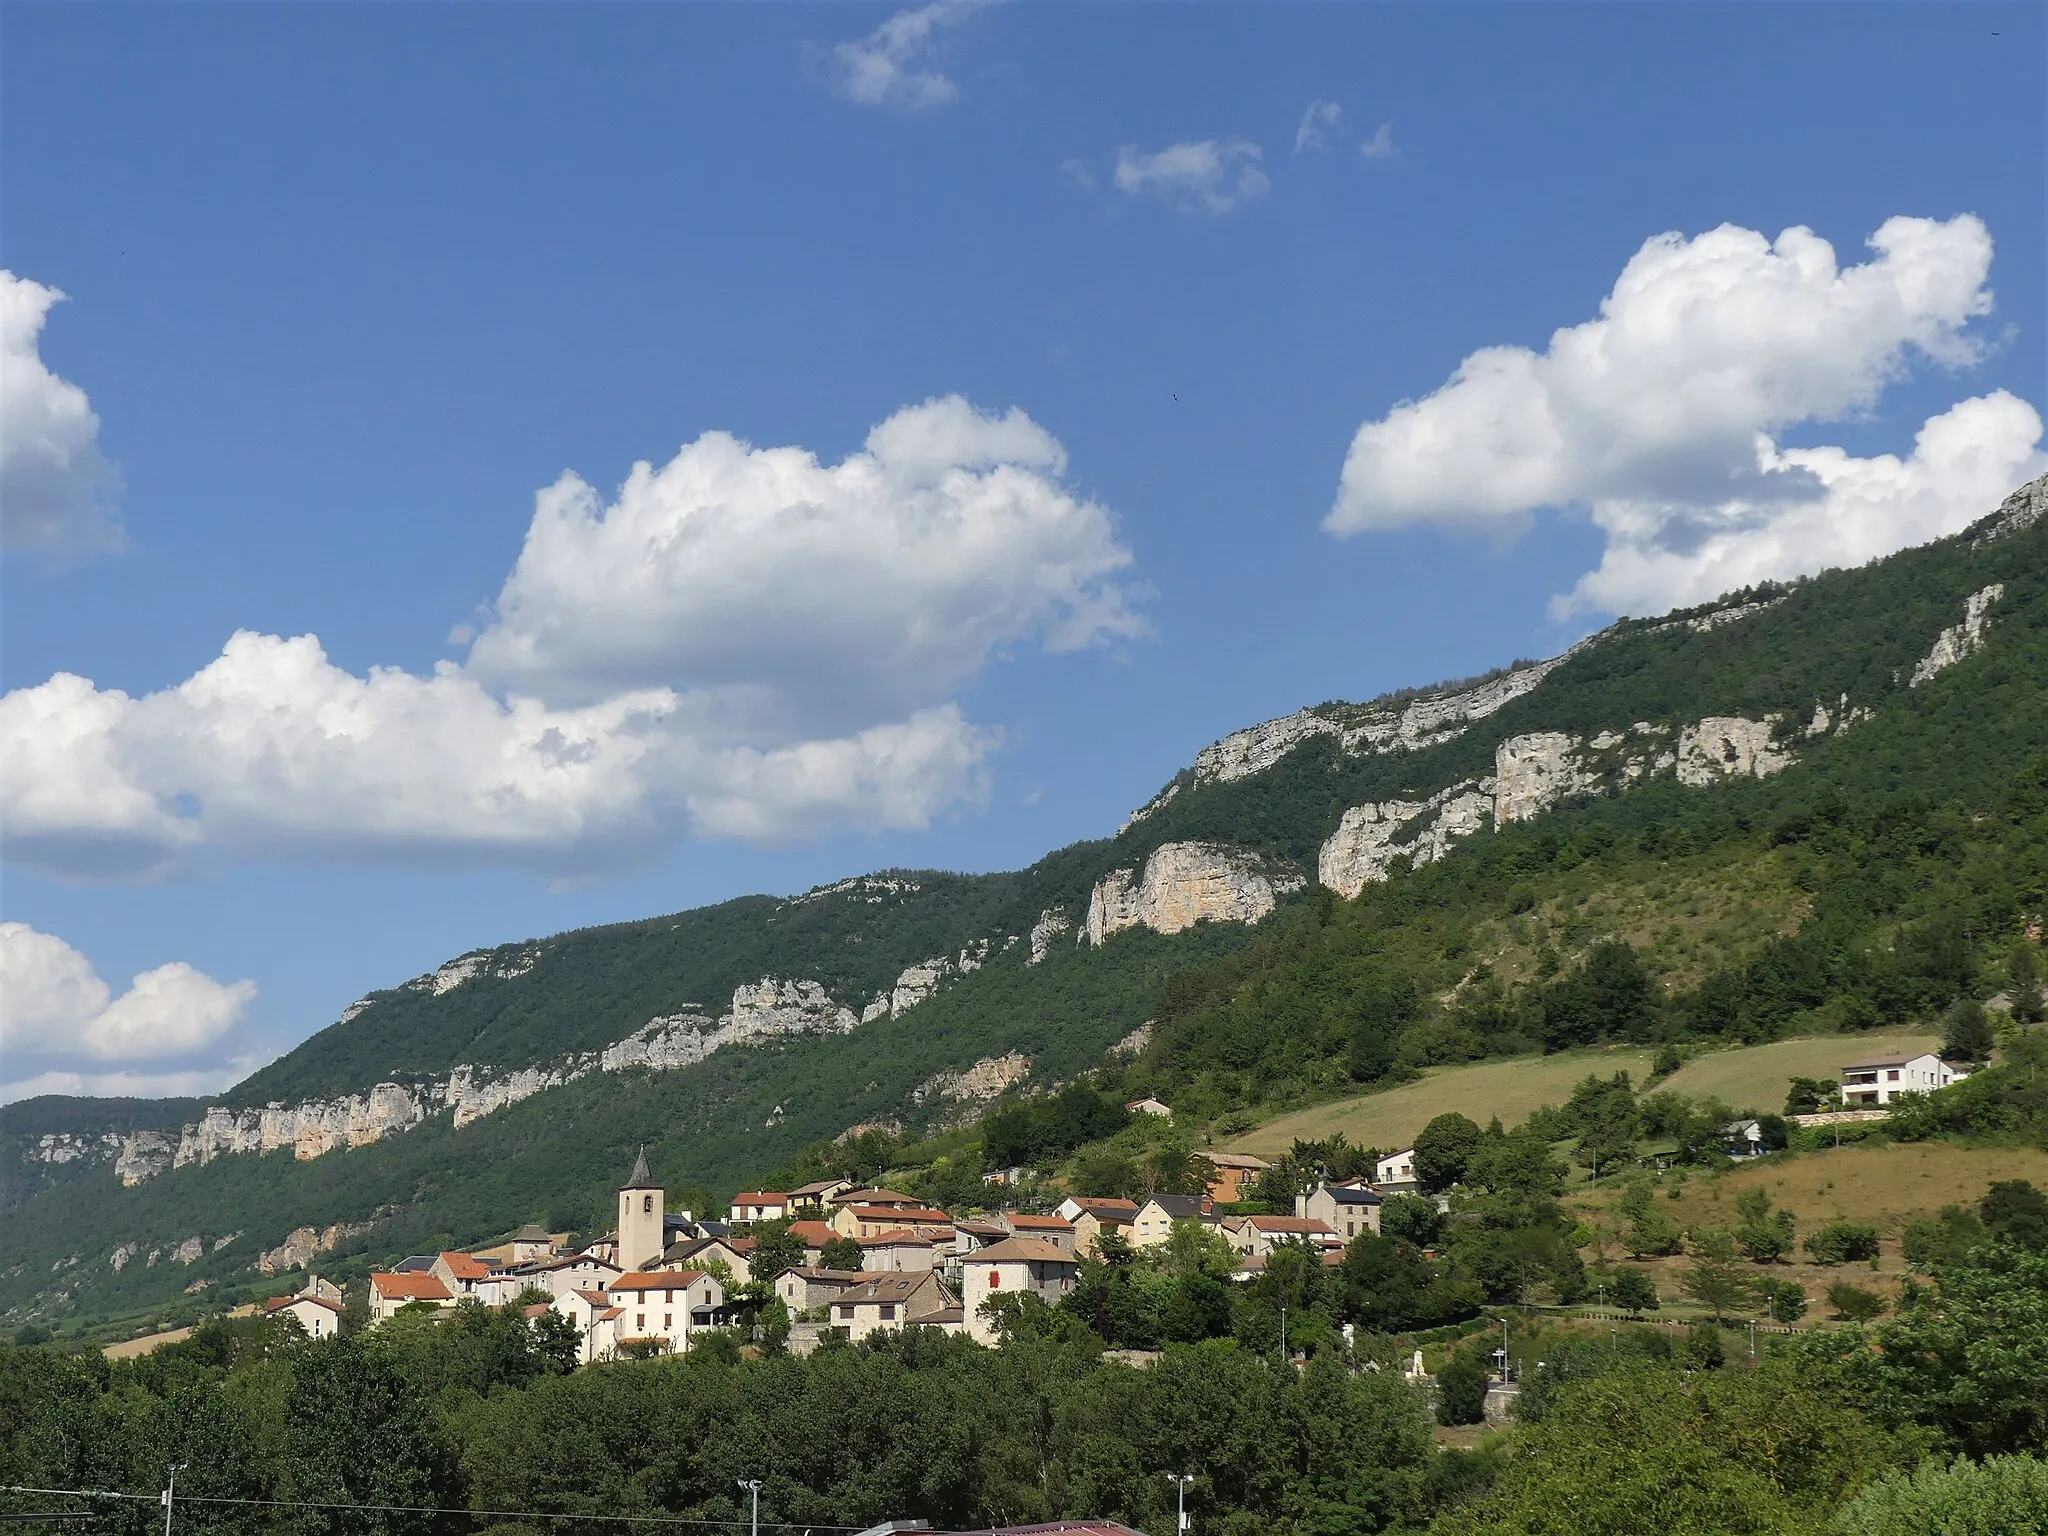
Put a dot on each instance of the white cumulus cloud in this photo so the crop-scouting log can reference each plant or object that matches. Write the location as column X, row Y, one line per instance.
column 1381, row 145
column 887, row 67
column 54, row 483
column 1663, row 416
column 53, row 1003
column 744, row 643
column 1213, row 175
column 1318, row 123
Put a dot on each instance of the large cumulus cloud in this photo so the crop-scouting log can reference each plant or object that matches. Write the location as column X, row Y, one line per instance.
column 1664, row 416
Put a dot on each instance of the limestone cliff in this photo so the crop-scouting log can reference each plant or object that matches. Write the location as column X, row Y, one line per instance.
column 1959, row 640
column 1183, row 884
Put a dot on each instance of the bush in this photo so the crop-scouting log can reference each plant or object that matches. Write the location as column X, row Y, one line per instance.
column 1634, row 1290
column 1704, row 1347
column 2014, row 1210
column 1854, row 1304
column 1783, row 1301
column 1843, row 1242
column 2002, row 1496
column 1461, row 1391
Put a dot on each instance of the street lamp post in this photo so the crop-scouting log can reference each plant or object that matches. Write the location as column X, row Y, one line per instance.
column 170, row 1492
column 1283, row 1333
column 753, row 1486
column 1180, row 1481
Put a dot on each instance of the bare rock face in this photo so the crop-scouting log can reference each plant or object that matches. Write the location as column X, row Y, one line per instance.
column 988, row 1079
column 189, row 1251
column 1362, row 848
column 1723, row 747
column 1052, row 922
column 1258, row 747
column 1532, row 773
column 144, row 1155
column 2019, row 511
column 472, row 1097
column 1183, row 884
column 1959, row 640
column 302, row 1246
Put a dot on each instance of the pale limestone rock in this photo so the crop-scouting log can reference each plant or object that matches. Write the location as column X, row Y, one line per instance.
column 1153, row 804
column 1959, row 640
column 1728, row 746
column 144, row 1155
column 1257, row 748
column 1605, row 740
column 222, row 1242
column 1822, row 719
column 988, row 1079
column 1362, row 849
column 1533, row 772
column 1114, row 905
column 916, row 983
column 472, row 1097
column 120, row 1256
column 1135, row 1041
column 189, row 1251
column 1052, row 922
column 2019, row 511
column 1183, row 884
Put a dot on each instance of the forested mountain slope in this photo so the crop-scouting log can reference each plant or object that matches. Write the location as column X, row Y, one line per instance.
column 1321, row 898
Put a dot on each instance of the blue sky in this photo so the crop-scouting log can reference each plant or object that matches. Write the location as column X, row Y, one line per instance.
column 346, row 287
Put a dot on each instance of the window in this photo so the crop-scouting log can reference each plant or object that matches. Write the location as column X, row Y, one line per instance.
column 1892, row 1076
column 639, row 1322
column 888, row 1311
column 668, row 1321
column 646, row 1204
column 669, row 1297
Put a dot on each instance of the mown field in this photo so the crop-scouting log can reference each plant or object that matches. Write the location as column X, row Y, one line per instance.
column 1747, row 1078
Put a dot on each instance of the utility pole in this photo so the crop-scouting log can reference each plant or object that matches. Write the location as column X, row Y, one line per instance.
column 170, row 1491
column 1180, row 1481
column 1283, row 1334
column 753, row 1486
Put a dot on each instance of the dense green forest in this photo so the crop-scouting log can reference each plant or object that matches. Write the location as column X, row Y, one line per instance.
column 479, row 1416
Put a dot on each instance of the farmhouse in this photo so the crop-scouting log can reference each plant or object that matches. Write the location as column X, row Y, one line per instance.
column 1878, row 1080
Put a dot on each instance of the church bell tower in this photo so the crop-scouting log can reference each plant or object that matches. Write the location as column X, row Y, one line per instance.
column 640, row 1218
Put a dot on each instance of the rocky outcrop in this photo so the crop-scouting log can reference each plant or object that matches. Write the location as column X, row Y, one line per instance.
column 1150, row 806
column 1959, row 640
column 1729, row 747
column 988, row 1079
column 1184, row 884
column 303, row 1245
column 1533, row 772
column 759, row 1011
column 1368, row 839
column 1052, row 922
column 60, row 1147
column 190, row 1251
column 1420, row 722
column 2019, row 511
column 503, row 964
column 1134, row 1042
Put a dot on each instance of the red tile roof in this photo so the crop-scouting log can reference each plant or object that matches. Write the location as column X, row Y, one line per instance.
column 813, row 1234
column 656, row 1280
column 1306, row 1224
column 759, row 1197
column 467, row 1266
column 414, row 1285
column 1021, row 1223
column 279, row 1303
column 907, row 1213
column 1098, row 1208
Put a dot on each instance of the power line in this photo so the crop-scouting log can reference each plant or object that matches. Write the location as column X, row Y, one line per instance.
column 418, row 1509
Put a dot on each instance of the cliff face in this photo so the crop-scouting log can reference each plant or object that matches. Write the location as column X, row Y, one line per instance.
column 1183, row 884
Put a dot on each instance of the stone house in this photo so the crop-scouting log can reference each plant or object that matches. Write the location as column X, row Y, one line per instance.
column 858, row 1221
column 1093, row 1217
column 1021, row 1264
column 1257, row 1236
column 1054, row 1229
column 808, row 1288
column 1347, row 1208
column 903, row 1250
column 699, row 1252
column 887, row 1303
column 813, row 1196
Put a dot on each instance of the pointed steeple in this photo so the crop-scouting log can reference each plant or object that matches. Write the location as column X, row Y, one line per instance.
column 641, row 1179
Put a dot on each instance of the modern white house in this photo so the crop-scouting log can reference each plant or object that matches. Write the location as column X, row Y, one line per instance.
column 1022, row 1264
column 1394, row 1174
column 1877, row 1080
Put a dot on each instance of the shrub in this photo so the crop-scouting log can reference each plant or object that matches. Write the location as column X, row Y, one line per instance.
column 1843, row 1242
column 1634, row 1290
column 2014, row 1210
column 1853, row 1303
column 1461, row 1391
column 1783, row 1301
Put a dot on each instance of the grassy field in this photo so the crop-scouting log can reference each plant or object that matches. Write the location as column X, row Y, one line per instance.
column 1755, row 1077
column 1748, row 1078
column 1509, row 1089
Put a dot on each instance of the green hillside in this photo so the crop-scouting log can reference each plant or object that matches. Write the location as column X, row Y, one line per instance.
column 1888, row 870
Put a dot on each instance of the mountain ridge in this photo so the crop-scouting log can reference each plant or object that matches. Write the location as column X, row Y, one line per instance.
column 899, row 986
